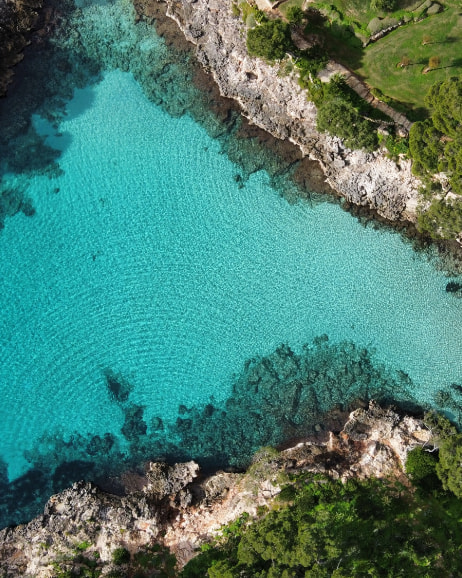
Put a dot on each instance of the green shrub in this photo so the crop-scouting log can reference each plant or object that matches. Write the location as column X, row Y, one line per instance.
column 295, row 14
column 339, row 118
column 449, row 468
column 82, row 546
column 120, row 556
column 270, row 41
column 360, row 528
column 421, row 469
column 443, row 220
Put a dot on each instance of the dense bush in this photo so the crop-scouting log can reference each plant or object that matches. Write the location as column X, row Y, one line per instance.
column 270, row 41
column 360, row 528
column 338, row 117
column 120, row 556
column 421, row 468
column 436, row 144
column 449, row 466
column 442, row 220
column 295, row 15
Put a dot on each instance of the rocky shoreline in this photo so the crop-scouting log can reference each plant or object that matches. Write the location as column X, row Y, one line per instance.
column 179, row 508
column 279, row 106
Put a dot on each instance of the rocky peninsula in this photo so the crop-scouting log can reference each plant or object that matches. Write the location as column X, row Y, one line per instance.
column 179, row 508
column 278, row 105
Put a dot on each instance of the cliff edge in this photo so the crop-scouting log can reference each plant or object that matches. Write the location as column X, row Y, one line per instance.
column 278, row 105
column 177, row 507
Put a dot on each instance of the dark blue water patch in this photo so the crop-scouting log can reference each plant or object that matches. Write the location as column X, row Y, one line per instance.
column 275, row 398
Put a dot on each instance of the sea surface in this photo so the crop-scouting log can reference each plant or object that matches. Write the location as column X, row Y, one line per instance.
column 149, row 275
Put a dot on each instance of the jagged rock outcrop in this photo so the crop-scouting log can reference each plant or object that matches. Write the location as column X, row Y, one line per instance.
column 178, row 508
column 278, row 105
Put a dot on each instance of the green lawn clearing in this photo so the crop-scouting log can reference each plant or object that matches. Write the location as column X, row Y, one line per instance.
column 408, row 84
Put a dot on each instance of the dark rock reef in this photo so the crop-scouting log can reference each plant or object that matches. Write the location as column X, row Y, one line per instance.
column 18, row 18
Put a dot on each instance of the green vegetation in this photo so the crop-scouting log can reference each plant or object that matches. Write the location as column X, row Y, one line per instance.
column 421, row 469
column 327, row 528
column 402, row 67
column 399, row 63
column 120, row 556
column 270, row 41
column 154, row 560
column 442, row 220
column 438, row 36
column 149, row 561
column 436, row 146
column 295, row 15
column 340, row 118
column 341, row 113
column 449, row 466
column 319, row 527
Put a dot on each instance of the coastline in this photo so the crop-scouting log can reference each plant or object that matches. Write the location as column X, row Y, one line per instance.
column 279, row 106
column 180, row 508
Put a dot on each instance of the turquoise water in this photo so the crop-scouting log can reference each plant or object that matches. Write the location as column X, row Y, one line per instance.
column 147, row 259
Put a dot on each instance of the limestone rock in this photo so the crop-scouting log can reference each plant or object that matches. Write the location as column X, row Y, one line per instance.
column 180, row 509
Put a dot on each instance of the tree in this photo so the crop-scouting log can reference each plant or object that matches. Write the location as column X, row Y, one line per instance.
column 436, row 144
column 449, row 467
column 338, row 117
column 426, row 39
column 405, row 61
column 295, row 15
column 421, row 468
column 271, row 40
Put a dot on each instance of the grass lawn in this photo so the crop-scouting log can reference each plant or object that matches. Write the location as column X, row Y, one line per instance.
column 408, row 85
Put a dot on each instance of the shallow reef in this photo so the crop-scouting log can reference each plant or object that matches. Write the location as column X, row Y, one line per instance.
column 276, row 398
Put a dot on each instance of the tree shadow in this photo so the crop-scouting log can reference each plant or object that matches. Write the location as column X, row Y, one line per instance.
column 448, row 40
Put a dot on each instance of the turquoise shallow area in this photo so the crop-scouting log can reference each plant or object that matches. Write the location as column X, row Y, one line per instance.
column 151, row 261
column 147, row 260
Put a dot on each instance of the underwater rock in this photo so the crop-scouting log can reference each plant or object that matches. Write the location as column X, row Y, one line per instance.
column 118, row 387
column 17, row 20
column 13, row 200
column 454, row 288
column 134, row 424
column 100, row 445
column 276, row 398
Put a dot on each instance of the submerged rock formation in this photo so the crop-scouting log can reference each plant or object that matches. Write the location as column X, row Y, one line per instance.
column 278, row 105
column 176, row 507
column 17, row 19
